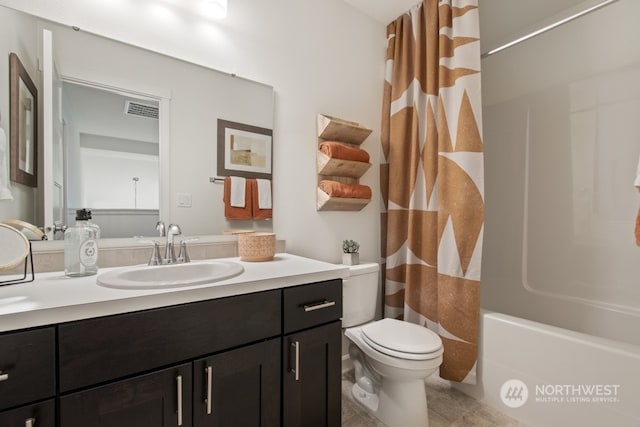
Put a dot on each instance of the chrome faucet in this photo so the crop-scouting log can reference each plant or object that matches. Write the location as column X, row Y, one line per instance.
column 160, row 228
column 169, row 254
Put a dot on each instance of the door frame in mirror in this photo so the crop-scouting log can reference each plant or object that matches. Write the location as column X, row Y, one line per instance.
column 164, row 103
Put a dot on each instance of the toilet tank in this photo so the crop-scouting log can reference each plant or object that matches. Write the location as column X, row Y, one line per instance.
column 360, row 294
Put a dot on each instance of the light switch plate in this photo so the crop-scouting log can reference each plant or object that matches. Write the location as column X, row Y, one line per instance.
column 184, row 200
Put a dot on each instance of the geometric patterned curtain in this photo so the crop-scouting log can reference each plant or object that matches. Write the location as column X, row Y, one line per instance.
column 432, row 177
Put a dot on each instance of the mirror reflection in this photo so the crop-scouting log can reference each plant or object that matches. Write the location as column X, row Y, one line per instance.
column 111, row 147
column 190, row 100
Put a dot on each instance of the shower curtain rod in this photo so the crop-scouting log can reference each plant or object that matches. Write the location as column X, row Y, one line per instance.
column 547, row 28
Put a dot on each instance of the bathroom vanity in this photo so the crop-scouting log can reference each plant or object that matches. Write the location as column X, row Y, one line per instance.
column 260, row 349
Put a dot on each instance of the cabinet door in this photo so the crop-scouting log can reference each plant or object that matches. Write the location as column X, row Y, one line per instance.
column 311, row 377
column 162, row 398
column 41, row 414
column 27, row 367
column 239, row 388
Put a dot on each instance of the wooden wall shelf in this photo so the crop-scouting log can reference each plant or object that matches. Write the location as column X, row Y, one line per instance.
column 334, row 129
column 346, row 171
column 327, row 203
column 338, row 167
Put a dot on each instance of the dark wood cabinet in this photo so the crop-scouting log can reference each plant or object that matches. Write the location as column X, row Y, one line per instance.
column 264, row 359
column 239, row 388
column 311, row 389
column 107, row 348
column 311, row 386
column 41, row 414
column 162, row 398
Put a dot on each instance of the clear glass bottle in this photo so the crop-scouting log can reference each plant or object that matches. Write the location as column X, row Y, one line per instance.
column 81, row 246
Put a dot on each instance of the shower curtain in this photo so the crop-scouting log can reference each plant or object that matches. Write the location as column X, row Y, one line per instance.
column 432, row 176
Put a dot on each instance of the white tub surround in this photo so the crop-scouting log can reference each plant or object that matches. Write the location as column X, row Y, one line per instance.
column 571, row 378
column 53, row 298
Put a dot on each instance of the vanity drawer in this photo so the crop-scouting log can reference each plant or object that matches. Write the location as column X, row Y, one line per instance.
column 27, row 366
column 102, row 349
column 314, row 304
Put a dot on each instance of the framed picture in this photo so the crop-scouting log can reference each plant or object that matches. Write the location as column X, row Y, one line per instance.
column 24, row 124
column 244, row 150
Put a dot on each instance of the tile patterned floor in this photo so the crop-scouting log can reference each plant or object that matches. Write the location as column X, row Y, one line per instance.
column 448, row 407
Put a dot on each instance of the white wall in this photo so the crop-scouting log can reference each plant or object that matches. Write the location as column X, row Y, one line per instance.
column 108, row 178
column 25, row 45
column 321, row 56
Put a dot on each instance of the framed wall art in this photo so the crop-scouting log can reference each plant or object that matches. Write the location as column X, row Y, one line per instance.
column 24, row 124
column 244, row 150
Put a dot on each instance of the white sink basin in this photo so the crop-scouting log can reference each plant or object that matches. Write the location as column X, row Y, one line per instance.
column 169, row 276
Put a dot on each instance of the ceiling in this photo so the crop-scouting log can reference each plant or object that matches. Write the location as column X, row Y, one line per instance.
column 500, row 20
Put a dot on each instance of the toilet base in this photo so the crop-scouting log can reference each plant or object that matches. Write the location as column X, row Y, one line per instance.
column 401, row 404
column 366, row 399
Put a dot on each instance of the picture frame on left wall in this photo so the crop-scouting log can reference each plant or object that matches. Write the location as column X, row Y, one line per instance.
column 23, row 111
column 244, row 150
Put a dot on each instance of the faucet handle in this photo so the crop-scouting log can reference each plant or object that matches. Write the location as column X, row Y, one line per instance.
column 156, row 258
column 183, row 256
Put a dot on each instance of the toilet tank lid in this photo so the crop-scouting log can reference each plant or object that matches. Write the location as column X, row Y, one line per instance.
column 370, row 267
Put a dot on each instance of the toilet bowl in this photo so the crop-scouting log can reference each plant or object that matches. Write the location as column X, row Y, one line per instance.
column 391, row 358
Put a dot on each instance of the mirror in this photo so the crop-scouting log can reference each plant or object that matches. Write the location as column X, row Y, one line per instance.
column 190, row 100
column 24, row 124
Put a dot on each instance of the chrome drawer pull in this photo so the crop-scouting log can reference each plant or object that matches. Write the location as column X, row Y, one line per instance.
column 209, row 372
column 179, row 384
column 4, row 377
column 318, row 306
column 296, row 369
column 31, row 422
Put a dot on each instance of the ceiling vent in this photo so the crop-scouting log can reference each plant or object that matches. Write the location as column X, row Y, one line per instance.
column 134, row 108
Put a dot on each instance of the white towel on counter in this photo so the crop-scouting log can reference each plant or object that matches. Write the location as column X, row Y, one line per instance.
column 5, row 192
column 238, row 192
column 637, row 181
column 264, row 193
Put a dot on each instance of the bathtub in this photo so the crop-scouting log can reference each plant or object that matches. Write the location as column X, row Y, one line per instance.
column 571, row 378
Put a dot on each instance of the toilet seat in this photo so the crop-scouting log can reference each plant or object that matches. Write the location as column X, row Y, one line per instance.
column 402, row 339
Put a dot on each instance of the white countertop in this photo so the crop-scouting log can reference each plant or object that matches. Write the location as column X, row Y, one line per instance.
column 54, row 298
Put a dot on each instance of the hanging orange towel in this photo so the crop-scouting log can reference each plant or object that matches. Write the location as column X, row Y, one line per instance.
column 638, row 228
column 257, row 213
column 231, row 212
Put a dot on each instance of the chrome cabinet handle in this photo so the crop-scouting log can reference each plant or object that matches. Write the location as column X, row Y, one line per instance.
column 318, row 306
column 209, row 372
column 179, row 384
column 296, row 369
column 4, row 377
column 31, row 422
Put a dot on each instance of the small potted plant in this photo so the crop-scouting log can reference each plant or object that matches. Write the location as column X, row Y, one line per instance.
column 350, row 252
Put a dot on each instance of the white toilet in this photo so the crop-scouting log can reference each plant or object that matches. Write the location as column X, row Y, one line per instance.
column 391, row 358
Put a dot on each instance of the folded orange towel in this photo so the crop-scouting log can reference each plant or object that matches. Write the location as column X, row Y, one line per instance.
column 638, row 228
column 231, row 212
column 337, row 150
column 339, row 189
column 256, row 212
